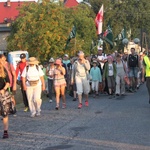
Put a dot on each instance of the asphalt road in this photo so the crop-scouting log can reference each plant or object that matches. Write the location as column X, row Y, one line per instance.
column 107, row 124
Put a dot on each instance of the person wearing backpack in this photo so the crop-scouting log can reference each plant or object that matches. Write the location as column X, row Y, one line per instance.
column 80, row 76
column 33, row 84
column 133, row 68
column 120, row 75
column 50, row 73
column 4, row 85
column 11, row 74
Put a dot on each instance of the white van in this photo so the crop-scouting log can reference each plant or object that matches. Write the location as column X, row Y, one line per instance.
column 14, row 57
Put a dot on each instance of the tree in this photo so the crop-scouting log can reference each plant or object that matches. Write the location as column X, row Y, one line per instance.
column 133, row 14
column 42, row 29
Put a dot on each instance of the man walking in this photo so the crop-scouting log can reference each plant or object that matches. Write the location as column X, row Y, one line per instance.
column 133, row 68
column 20, row 67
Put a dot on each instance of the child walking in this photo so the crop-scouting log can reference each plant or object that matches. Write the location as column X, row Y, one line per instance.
column 96, row 76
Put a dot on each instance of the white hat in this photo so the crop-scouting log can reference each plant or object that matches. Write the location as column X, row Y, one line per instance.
column 141, row 53
column 66, row 55
column 51, row 59
column 80, row 53
column 100, row 48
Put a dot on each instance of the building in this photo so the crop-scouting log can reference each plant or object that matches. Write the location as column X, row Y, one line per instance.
column 9, row 9
column 71, row 3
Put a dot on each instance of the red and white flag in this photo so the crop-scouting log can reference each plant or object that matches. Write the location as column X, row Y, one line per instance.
column 99, row 20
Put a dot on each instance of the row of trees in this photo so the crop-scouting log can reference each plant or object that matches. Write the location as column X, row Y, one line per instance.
column 43, row 28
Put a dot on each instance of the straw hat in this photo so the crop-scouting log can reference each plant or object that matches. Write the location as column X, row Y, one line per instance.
column 33, row 61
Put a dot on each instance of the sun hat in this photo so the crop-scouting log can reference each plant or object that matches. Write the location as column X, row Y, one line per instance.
column 110, row 57
column 51, row 60
column 80, row 53
column 66, row 55
column 23, row 55
column 58, row 62
column 94, row 62
column 33, row 61
column 100, row 48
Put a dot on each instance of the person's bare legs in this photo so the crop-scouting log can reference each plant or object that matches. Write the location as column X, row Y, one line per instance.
column 62, row 91
column 5, row 124
column 57, row 90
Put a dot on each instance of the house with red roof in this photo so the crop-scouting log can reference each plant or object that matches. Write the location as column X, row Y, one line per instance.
column 9, row 10
column 71, row 3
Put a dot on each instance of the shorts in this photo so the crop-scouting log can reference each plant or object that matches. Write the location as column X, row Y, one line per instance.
column 82, row 84
column 133, row 72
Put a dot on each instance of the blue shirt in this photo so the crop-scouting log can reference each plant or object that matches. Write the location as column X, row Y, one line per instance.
column 96, row 74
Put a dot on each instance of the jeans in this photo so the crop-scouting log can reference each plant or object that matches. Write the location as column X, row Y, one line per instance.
column 148, row 85
column 25, row 100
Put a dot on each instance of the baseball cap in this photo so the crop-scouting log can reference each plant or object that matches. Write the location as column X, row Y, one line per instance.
column 22, row 56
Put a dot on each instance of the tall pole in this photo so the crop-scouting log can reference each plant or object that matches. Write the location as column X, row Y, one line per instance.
column 141, row 39
column 75, row 45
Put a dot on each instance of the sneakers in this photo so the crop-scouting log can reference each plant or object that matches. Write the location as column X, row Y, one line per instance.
column 38, row 114
column 80, row 106
column 63, row 106
column 86, row 103
column 26, row 109
column 50, row 100
column 117, row 94
column 5, row 135
column 57, row 107
column 75, row 99
column 32, row 115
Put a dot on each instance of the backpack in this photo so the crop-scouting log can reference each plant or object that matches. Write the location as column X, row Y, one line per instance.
column 133, row 60
column 27, row 68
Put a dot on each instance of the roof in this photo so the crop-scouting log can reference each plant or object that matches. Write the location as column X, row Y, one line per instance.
column 9, row 13
column 71, row 3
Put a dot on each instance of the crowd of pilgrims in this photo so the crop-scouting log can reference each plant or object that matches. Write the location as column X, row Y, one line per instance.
column 111, row 74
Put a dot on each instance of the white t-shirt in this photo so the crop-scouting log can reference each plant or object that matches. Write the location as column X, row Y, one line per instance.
column 110, row 70
column 102, row 57
column 32, row 74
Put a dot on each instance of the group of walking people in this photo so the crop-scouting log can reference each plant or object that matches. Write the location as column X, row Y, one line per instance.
column 113, row 74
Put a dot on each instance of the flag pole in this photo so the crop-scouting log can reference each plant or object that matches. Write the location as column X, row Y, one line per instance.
column 75, row 45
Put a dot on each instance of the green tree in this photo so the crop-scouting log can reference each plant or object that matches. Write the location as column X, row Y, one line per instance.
column 133, row 14
column 42, row 29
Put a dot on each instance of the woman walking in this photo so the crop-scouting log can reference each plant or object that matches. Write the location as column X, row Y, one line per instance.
column 120, row 75
column 59, row 83
column 80, row 76
column 109, row 74
column 4, row 84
